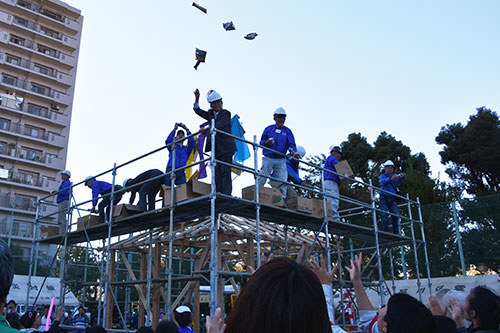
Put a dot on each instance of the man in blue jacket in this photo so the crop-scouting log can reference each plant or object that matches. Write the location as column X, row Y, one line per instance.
column 280, row 138
column 389, row 184
column 102, row 188
column 63, row 200
column 181, row 154
column 225, row 147
column 332, row 181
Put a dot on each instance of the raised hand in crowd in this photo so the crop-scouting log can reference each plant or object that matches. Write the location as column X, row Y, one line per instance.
column 216, row 325
column 324, row 276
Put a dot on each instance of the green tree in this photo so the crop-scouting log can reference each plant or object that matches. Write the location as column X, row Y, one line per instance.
column 471, row 152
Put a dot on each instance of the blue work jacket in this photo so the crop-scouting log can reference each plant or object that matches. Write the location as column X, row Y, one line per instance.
column 283, row 140
column 63, row 195
column 330, row 165
column 181, row 152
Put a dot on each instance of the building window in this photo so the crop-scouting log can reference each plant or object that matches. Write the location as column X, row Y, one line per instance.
column 9, row 79
column 38, row 110
column 3, row 148
column 17, row 40
column 39, row 89
column 41, row 69
column 52, row 15
column 49, row 32
column 30, row 154
column 24, row 4
column 20, row 21
column 33, row 131
column 13, row 60
column 47, row 50
column 4, row 124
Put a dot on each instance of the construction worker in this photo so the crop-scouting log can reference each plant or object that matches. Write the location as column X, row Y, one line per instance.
column 225, row 146
column 181, row 154
column 292, row 169
column 279, row 138
column 389, row 182
column 146, row 186
column 332, row 181
column 63, row 201
column 102, row 188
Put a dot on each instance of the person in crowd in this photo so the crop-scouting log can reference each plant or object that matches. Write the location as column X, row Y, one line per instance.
column 225, row 147
column 481, row 308
column 69, row 319
column 12, row 307
column 63, row 201
column 44, row 318
column 145, row 329
column 332, row 181
column 445, row 324
column 13, row 320
column 6, row 277
column 148, row 184
column 273, row 298
column 279, row 138
column 166, row 326
column 182, row 153
column 389, row 182
column 183, row 317
column 102, row 188
column 95, row 329
column 81, row 318
column 31, row 322
column 402, row 313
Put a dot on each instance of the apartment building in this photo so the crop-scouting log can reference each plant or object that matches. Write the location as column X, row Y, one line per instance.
column 39, row 46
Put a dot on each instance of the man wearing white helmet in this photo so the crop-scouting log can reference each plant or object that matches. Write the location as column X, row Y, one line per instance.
column 332, row 181
column 389, row 182
column 103, row 189
column 63, row 200
column 279, row 138
column 225, row 146
column 148, row 184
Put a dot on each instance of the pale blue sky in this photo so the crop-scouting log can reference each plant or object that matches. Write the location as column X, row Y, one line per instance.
column 337, row 67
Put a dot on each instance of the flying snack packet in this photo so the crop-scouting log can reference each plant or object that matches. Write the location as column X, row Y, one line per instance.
column 199, row 7
column 251, row 36
column 200, row 57
column 229, row 26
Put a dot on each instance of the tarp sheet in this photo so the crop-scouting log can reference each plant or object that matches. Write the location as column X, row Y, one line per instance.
column 50, row 289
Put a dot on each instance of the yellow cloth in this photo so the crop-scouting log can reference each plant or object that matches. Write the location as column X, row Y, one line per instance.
column 192, row 159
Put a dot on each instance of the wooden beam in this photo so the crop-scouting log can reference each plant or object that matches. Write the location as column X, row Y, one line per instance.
column 111, row 277
column 156, row 286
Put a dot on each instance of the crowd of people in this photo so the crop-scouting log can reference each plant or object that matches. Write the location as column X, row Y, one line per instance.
column 280, row 161
column 286, row 296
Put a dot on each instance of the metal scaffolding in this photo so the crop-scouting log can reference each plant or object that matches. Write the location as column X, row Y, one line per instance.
column 218, row 246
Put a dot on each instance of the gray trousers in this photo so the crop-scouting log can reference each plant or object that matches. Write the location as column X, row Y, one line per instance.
column 62, row 207
column 332, row 191
column 276, row 166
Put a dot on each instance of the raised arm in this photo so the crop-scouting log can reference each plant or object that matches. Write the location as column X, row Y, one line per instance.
column 196, row 107
column 355, row 272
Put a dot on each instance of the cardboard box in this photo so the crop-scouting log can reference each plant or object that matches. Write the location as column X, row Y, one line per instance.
column 124, row 210
column 318, row 208
column 270, row 196
column 48, row 231
column 88, row 221
column 344, row 168
column 192, row 189
column 300, row 204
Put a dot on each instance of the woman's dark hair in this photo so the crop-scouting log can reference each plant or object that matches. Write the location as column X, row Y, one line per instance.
column 406, row 314
column 95, row 329
column 28, row 319
column 487, row 306
column 166, row 326
column 282, row 296
column 13, row 320
column 445, row 324
column 144, row 329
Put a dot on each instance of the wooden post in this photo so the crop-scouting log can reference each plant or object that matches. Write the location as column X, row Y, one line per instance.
column 156, row 286
column 142, row 276
column 111, row 277
column 196, row 309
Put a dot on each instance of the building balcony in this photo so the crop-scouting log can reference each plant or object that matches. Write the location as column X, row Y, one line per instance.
column 17, row 105
column 20, row 204
column 33, row 67
column 31, row 181
column 11, row 152
column 36, row 89
column 31, row 46
column 47, row 13
column 36, row 134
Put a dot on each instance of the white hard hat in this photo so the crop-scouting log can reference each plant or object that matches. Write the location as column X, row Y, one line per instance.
column 182, row 309
column 67, row 173
column 279, row 110
column 126, row 181
column 213, row 96
column 88, row 178
column 388, row 163
column 301, row 150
